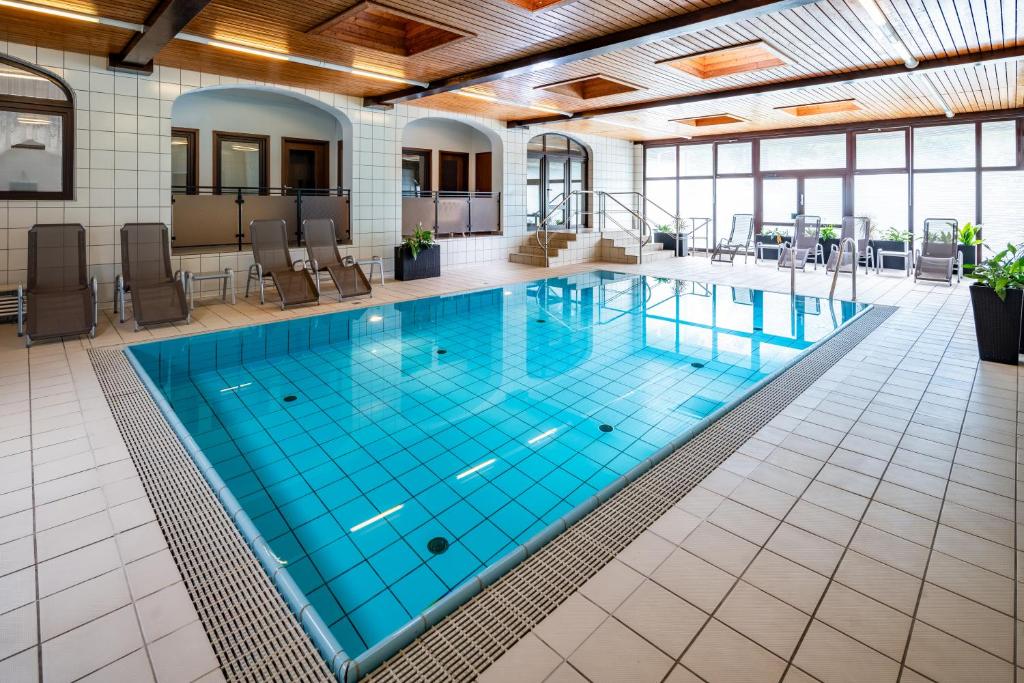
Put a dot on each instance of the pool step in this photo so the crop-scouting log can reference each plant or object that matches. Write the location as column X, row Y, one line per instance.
column 532, row 254
column 622, row 248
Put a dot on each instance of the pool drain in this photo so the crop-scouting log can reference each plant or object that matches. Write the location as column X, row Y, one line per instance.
column 606, row 428
column 758, row 329
column 441, row 352
column 541, row 320
column 697, row 365
column 289, row 398
column 437, row 545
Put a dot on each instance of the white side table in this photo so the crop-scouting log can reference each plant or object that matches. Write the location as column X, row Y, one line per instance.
column 906, row 255
column 373, row 262
column 759, row 248
column 227, row 278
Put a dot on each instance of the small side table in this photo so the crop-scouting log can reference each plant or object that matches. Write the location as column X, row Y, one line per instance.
column 373, row 262
column 907, row 256
column 227, row 278
column 759, row 248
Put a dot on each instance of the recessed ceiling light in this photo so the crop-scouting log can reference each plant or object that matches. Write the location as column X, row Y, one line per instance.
column 727, row 61
column 711, row 120
column 510, row 103
column 816, row 108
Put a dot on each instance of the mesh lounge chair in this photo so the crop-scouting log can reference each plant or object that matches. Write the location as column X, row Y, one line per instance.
column 739, row 238
column 273, row 260
column 855, row 228
column 322, row 249
column 938, row 255
column 61, row 299
column 158, row 294
column 805, row 244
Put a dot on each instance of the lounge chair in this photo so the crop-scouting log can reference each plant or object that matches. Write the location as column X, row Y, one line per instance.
column 293, row 282
column 60, row 298
column 805, row 244
column 158, row 294
column 740, row 234
column 938, row 256
column 322, row 249
column 855, row 228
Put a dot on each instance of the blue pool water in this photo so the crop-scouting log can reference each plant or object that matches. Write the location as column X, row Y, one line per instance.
column 356, row 440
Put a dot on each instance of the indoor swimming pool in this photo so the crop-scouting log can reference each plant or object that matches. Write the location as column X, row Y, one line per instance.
column 383, row 457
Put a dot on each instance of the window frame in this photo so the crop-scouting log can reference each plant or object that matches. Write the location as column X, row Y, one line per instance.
column 35, row 105
column 263, row 141
column 426, row 156
column 191, row 159
column 565, row 155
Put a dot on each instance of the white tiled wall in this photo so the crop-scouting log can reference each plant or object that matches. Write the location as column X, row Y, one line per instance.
column 122, row 165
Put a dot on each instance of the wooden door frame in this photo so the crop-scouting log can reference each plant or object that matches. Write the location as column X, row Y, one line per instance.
column 192, row 173
column 440, row 156
column 490, row 171
column 324, row 164
column 264, row 144
column 428, row 169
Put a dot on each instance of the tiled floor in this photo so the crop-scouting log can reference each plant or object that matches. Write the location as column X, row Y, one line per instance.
column 869, row 533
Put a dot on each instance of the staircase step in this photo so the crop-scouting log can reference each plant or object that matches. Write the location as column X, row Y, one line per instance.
column 527, row 259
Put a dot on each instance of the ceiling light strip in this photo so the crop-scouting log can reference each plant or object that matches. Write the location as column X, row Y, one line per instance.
column 937, row 96
column 285, row 57
column 68, row 14
column 510, row 103
column 888, row 32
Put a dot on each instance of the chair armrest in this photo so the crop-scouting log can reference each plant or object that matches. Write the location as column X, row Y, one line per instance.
column 21, row 309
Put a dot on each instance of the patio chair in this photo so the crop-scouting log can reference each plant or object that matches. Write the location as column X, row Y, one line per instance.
column 59, row 299
column 739, row 238
column 158, row 294
column 322, row 249
column 855, row 228
column 938, row 256
column 805, row 244
column 293, row 282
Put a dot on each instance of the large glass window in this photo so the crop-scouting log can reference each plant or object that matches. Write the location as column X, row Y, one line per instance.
column 36, row 133
column 944, row 195
column 999, row 143
column 733, row 195
column 887, row 149
column 735, row 157
column 882, row 198
column 695, row 160
column 804, row 152
column 696, row 197
column 661, row 162
column 944, row 146
column 557, row 166
column 1002, row 206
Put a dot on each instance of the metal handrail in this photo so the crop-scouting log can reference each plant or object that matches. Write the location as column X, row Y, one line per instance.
column 835, row 275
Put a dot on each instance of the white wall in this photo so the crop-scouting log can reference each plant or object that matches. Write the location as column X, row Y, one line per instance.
column 123, row 157
column 237, row 110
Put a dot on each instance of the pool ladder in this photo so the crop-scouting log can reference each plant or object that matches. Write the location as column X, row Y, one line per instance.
column 835, row 274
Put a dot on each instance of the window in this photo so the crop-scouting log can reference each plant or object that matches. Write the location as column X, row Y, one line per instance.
column 695, row 160
column 805, row 152
column 734, row 195
column 661, row 162
column 1002, row 205
column 734, row 157
column 36, row 133
column 184, row 160
column 555, row 165
column 882, row 198
column 887, row 149
column 944, row 195
column 999, row 143
column 415, row 171
column 240, row 162
column 944, row 146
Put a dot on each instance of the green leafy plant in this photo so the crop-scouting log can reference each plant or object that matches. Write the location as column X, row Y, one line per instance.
column 828, row 232
column 418, row 241
column 895, row 235
column 1004, row 270
column 664, row 227
column 776, row 234
column 968, row 235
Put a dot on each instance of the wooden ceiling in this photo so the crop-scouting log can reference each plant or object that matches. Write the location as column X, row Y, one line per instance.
column 826, row 37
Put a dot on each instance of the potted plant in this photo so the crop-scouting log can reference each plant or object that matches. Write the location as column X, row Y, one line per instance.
column 666, row 236
column 997, row 298
column 418, row 256
column 771, row 235
column 829, row 237
column 893, row 240
column 968, row 241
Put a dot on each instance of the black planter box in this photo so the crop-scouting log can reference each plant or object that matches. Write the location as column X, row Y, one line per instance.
column 997, row 323
column 891, row 245
column 772, row 254
column 826, row 247
column 970, row 255
column 426, row 264
column 668, row 240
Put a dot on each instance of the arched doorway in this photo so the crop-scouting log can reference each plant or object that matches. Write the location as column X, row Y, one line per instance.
column 451, row 177
column 556, row 165
column 272, row 153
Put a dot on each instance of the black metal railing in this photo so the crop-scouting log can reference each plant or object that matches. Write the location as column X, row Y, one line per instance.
column 205, row 215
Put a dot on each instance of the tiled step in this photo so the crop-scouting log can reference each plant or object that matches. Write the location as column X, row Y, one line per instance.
column 527, row 259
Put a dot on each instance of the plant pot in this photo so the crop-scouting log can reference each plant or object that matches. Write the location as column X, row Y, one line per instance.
column 997, row 323
column 770, row 255
column 891, row 245
column 970, row 255
column 826, row 246
column 669, row 242
column 426, row 264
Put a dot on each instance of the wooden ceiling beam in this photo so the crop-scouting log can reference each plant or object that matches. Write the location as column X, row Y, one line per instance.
column 691, row 22
column 162, row 24
column 927, row 65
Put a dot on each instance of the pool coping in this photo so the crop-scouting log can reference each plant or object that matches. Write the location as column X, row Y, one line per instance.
column 349, row 669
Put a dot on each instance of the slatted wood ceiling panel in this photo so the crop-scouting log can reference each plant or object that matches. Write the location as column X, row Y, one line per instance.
column 831, row 36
